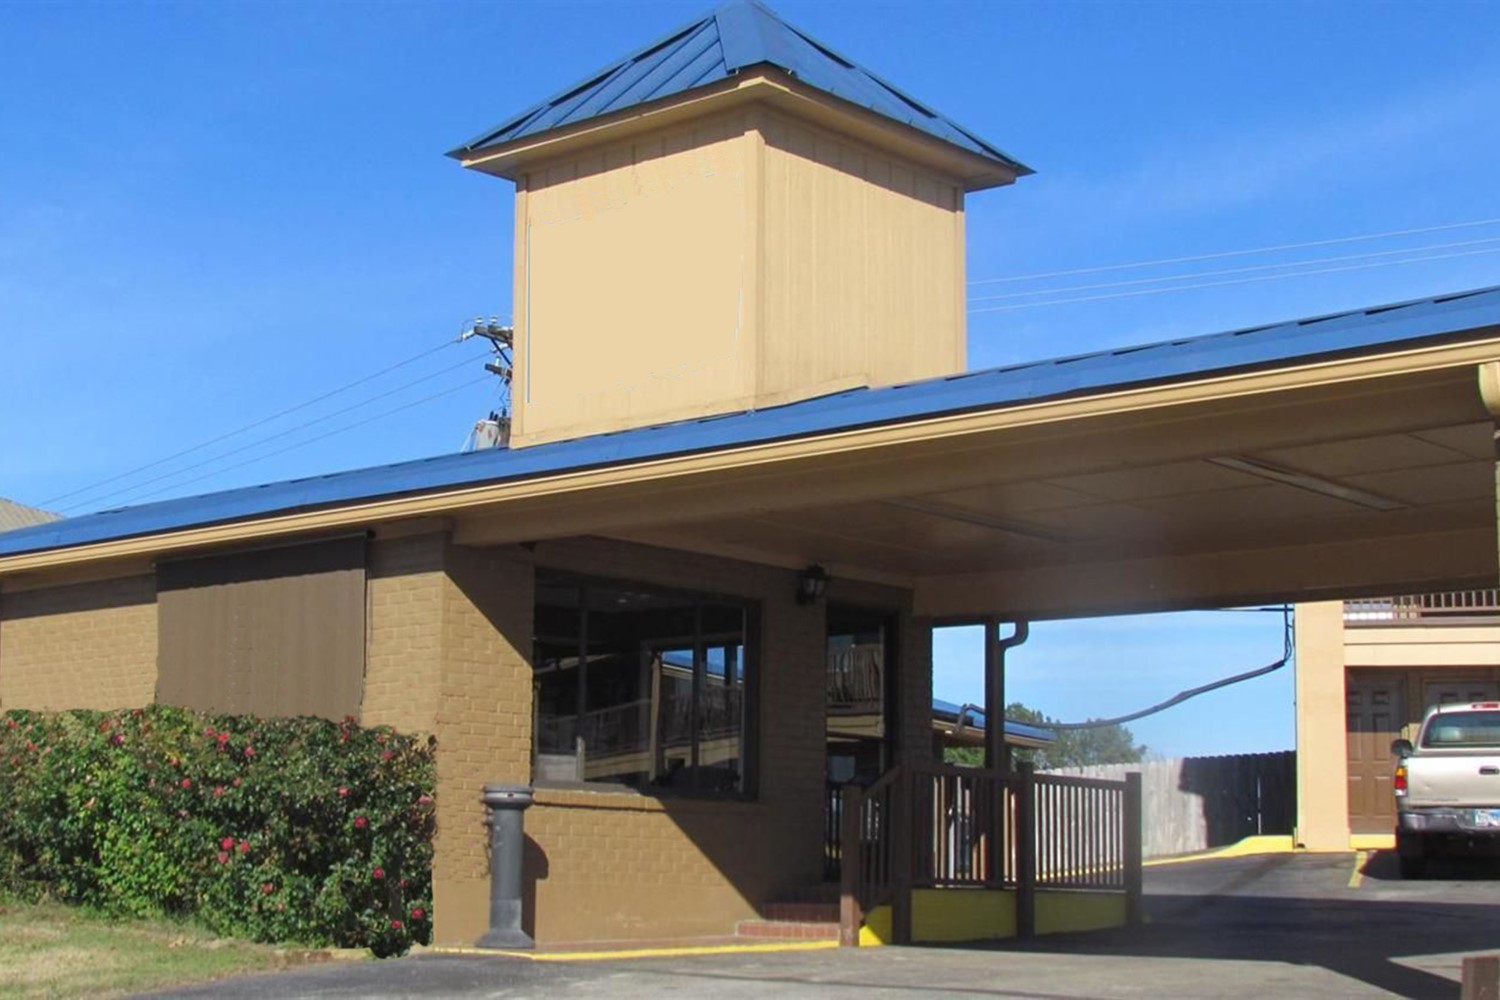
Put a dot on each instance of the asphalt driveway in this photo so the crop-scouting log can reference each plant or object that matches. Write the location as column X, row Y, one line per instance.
column 1281, row 926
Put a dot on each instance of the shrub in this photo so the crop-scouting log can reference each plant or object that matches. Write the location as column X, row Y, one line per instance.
column 274, row 829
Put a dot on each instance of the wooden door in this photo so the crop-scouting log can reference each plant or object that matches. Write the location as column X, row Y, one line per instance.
column 1375, row 717
column 1449, row 692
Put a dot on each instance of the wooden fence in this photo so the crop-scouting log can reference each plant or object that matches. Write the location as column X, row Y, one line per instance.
column 1195, row 803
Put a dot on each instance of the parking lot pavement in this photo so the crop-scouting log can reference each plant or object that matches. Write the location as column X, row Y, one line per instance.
column 1314, row 926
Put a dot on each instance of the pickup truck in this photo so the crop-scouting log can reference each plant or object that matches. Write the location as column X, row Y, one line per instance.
column 1447, row 786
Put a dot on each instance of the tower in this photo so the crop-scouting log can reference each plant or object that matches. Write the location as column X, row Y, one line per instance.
column 731, row 218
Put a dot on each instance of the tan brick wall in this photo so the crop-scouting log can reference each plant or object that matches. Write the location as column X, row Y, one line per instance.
column 618, row 865
column 915, row 685
column 87, row 645
column 406, row 584
column 483, row 722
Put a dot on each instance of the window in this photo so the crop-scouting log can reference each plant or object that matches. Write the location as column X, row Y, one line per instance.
column 641, row 686
column 1463, row 729
column 857, row 699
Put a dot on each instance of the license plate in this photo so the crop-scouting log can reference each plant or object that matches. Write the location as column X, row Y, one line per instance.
column 1486, row 817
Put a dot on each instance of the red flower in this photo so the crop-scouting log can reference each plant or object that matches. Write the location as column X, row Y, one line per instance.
column 244, row 846
column 249, row 751
column 227, row 843
column 343, row 792
column 378, row 874
column 386, row 755
column 218, row 790
column 403, row 883
column 223, row 857
column 361, row 822
column 209, row 732
column 186, row 782
column 418, row 914
column 267, row 888
column 236, row 782
column 117, row 739
column 395, row 925
column 424, row 800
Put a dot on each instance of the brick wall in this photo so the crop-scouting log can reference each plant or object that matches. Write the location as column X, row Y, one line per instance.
column 915, row 686
column 86, row 645
column 403, row 653
column 483, row 722
column 619, row 865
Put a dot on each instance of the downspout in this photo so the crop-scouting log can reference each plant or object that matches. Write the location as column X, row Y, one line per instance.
column 996, row 753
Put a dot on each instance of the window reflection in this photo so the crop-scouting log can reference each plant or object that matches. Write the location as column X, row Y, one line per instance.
column 639, row 686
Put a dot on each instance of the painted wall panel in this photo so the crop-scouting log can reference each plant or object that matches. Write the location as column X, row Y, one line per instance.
column 273, row 632
column 633, row 271
column 862, row 257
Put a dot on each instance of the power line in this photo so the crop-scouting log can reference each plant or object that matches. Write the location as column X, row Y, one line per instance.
column 1236, row 270
column 1235, row 281
column 124, row 491
column 1182, row 696
column 250, row 426
column 328, row 434
column 1239, row 253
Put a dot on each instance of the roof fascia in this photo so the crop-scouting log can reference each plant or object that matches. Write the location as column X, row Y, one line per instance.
column 763, row 84
column 451, row 502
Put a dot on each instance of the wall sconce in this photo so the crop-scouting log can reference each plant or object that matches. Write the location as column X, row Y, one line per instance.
column 812, row 584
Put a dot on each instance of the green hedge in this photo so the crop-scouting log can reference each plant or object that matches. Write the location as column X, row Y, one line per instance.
column 274, row 829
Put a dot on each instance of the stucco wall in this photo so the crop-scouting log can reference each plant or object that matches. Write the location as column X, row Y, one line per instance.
column 1326, row 651
column 1322, row 784
column 87, row 645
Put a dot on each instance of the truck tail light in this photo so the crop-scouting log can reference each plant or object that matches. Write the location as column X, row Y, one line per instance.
column 1399, row 783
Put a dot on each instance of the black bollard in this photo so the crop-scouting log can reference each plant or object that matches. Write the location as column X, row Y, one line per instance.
column 506, row 804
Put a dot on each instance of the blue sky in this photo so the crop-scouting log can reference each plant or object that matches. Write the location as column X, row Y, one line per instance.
column 210, row 212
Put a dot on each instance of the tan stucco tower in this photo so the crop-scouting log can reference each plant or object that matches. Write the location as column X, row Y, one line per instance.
column 786, row 227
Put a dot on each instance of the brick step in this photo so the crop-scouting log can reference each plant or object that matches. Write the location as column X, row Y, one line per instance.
column 794, row 930
column 801, row 912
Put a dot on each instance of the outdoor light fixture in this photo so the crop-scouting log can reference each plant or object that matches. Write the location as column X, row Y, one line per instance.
column 812, row 584
column 1304, row 481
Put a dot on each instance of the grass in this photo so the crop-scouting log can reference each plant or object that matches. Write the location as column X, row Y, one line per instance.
column 49, row 950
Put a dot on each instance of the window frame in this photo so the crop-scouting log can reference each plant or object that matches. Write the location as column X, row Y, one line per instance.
column 699, row 641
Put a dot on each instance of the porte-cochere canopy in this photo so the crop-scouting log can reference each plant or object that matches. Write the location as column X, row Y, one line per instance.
column 1339, row 455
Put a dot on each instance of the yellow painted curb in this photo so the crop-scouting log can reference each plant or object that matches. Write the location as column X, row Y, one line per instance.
column 1358, row 874
column 602, row 956
column 1248, row 847
column 1372, row 842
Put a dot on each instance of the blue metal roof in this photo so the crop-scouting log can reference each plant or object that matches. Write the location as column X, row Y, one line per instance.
column 1365, row 331
column 948, row 712
column 735, row 36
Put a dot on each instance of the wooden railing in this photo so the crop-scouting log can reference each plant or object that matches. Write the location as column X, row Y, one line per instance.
column 932, row 826
column 1423, row 609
